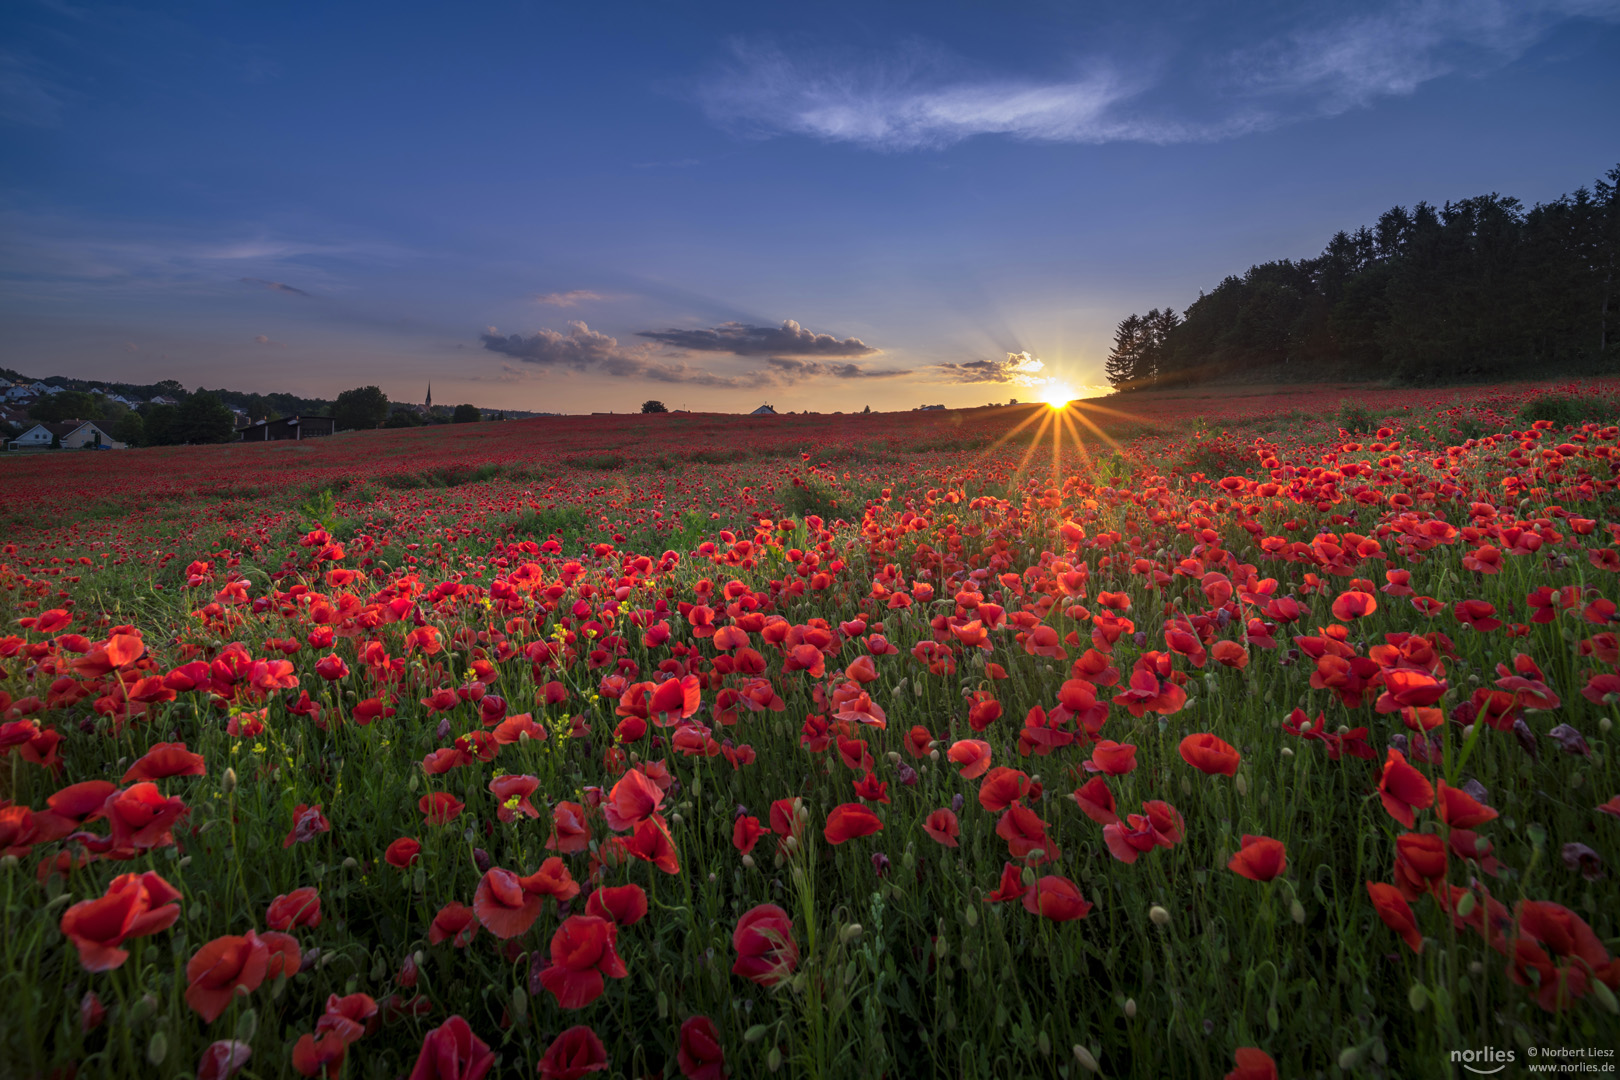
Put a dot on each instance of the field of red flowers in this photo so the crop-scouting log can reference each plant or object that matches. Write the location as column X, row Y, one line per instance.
column 1266, row 734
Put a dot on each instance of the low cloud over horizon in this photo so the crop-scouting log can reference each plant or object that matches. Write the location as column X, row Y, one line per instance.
column 743, row 339
column 583, row 350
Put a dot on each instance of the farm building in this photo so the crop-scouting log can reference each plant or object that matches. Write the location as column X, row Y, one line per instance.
column 74, row 435
column 288, row 427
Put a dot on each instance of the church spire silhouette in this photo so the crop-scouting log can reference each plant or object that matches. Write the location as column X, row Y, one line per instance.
column 429, row 405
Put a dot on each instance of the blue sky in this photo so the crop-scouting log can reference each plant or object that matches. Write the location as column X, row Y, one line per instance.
column 824, row 206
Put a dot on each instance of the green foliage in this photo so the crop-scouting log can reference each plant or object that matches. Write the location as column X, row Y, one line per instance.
column 1476, row 289
column 203, row 418
column 599, row 462
column 161, row 424
column 67, row 405
column 466, row 414
column 321, row 509
column 360, row 408
column 1357, row 418
column 130, row 429
column 652, row 405
column 1568, row 411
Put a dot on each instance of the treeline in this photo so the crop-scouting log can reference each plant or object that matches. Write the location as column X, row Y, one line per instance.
column 1481, row 288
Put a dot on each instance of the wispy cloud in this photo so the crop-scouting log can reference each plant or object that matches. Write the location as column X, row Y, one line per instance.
column 1017, row 369
column 274, row 286
column 29, row 97
column 920, row 97
column 1352, row 61
column 744, row 339
column 571, row 298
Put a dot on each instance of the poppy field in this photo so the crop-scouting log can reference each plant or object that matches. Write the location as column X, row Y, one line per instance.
column 1248, row 735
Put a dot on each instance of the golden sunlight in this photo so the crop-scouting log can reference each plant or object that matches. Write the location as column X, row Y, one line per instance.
column 1057, row 394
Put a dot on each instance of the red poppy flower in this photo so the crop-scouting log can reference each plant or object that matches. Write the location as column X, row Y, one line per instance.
column 632, row 800
column 552, row 879
column 439, row 808
column 1025, row 833
column 625, row 905
column 973, row 755
column 943, row 827
column 134, row 905
column 651, row 842
column 165, row 760
column 331, row 668
column 285, row 955
column 699, row 1054
column 745, row 833
column 503, row 906
column 512, row 796
column 320, row 1054
column 1420, row 863
column 1461, row 810
column 218, row 970
column 919, row 740
column 301, row 907
column 452, row 1052
column 141, row 817
column 849, row 821
column 1115, row 759
column 1260, row 859
column 456, row 923
column 1252, row 1064
column 223, row 1060
column 1056, row 898
column 1396, row 913
column 351, row 1016
column 402, row 852
column 1354, row 605
column 569, row 833
column 573, row 1054
column 1002, row 788
column 308, row 823
column 1097, row 801
column 1011, row 886
column 763, row 940
column 1210, row 754
column 1403, row 789
column 581, row 953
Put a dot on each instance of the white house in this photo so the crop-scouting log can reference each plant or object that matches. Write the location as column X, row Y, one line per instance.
column 74, row 435
column 19, row 393
column 763, row 410
column 163, row 399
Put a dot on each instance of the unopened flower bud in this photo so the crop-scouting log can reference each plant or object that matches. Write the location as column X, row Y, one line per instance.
column 1130, row 1008
column 1159, row 915
column 227, row 783
column 1083, row 1056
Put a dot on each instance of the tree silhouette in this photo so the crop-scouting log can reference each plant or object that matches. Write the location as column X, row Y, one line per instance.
column 654, row 406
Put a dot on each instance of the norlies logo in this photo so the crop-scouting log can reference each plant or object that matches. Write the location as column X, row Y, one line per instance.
column 1486, row 1062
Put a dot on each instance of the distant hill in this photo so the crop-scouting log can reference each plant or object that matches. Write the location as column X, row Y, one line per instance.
column 1480, row 289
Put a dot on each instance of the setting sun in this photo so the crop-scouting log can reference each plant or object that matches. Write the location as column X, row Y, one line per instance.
column 1057, row 395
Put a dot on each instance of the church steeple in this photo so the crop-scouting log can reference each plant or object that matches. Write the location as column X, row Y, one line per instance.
column 429, row 404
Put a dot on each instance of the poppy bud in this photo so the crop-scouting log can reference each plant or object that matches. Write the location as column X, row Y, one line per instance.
column 1287, row 752
column 748, row 861
column 1242, row 786
column 1296, row 911
column 1465, row 906
column 1028, row 875
column 1349, row 1057
column 1130, row 1008
column 1159, row 915
column 1417, row 997
column 1083, row 1056
column 9, row 862
column 482, row 860
column 791, row 844
column 933, row 755
column 894, row 758
column 1475, row 968
column 849, row 933
column 1605, row 724
column 158, row 1048
column 227, row 783
column 351, row 863
column 773, row 1060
